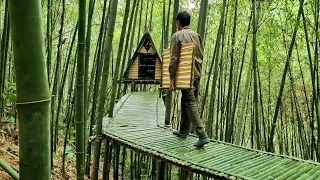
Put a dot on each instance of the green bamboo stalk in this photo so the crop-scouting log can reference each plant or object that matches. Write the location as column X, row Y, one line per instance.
column 32, row 89
column 203, row 19
column 237, row 132
column 312, row 141
column 174, row 16
column 123, row 163
column 145, row 22
column 131, row 165
column 217, row 125
column 163, row 29
column 86, row 66
column 71, row 81
column 315, row 106
column 49, row 38
column 140, row 16
column 223, row 69
column 273, row 126
column 133, row 33
column 3, row 60
column 168, row 102
column 69, row 120
column 214, row 61
column 79, row 120
column 296, row 106
column 255, row 74
column 116, row 162
column 138, row 168
column 262, row 110
column 200, row 16
column 150, row 21
column 166, row 43
column 316, row 65
column 99, row 64
column 229, row 127
column 9, row 170
column 119, row 56
column 244, row 102
column 6, row 52
column 162, row 168
column 301, row 129
column 64, row 77
column 57, row 75
column 131, row 42
column 125, row 58
column 107, row 162
column 103, row 90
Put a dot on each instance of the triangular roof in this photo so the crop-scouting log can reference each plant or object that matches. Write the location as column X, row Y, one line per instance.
column 136, row 53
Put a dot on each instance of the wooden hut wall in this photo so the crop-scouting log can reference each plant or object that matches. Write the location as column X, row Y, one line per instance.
column 165, row 70
column 134, row 70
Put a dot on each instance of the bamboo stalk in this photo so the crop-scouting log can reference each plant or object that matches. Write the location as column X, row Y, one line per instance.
column 270, row 144
column 119, row 56
column 32, row 89
column 103, row 90
column 9, row 170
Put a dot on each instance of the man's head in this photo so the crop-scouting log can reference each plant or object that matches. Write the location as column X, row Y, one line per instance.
column 183, row 19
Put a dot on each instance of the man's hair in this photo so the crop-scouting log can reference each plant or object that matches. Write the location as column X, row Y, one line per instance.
column 183, row 18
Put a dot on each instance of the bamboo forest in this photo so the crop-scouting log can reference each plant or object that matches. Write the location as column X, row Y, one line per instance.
column 85, row 91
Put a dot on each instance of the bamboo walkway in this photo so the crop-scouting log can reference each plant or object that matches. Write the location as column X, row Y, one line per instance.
column 138, row 124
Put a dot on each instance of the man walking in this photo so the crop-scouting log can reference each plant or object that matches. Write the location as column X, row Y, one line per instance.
column 189, row 110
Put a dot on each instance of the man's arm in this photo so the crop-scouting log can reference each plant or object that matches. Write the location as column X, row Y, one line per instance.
column 174, row 60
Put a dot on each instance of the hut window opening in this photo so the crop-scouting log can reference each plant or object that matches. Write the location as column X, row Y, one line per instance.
column 147, row 65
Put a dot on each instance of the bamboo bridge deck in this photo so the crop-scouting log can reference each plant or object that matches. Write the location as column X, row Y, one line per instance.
column 138, row 122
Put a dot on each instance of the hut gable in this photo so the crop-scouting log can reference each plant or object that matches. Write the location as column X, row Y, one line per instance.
column 145, row 64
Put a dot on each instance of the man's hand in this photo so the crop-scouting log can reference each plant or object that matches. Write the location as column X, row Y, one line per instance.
column 172, row 82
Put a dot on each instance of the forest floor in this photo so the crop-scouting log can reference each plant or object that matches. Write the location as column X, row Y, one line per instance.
column 9, row 152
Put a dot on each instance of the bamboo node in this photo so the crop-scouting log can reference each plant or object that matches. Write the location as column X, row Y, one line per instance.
column 33, row 102
column 77, row 122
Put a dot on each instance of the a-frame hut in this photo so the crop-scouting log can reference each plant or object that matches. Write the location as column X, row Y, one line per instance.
column 145, row 65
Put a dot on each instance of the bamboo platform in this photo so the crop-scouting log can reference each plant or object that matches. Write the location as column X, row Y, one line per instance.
column 138, row 125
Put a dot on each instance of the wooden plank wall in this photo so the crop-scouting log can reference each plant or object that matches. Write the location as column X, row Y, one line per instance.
column 165, row 68
column 184, row 75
